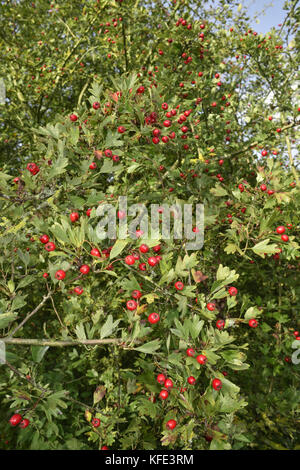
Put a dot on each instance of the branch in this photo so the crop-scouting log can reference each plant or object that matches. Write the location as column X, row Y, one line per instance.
column 45, row 342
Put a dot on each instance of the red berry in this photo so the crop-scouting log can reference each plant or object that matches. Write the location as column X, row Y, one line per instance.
column 60, row 274
column 152, row 261
column 179, row 285
column 15, row 419
column 44, row 238
column 190, row 352
column 168, row 383
column 161, row 379
column 73, row 117
column 217, row 384
column 131, row 305
column 84, row 269
column 93, row 166
column 121, row 129
column 95, row 252
column 164, row 394
column 201, row 359
column 153, row 318
column 191, row 380
column 108, row 153
column 171, row 424
column 74, row 216
column 96, row 105
column 78, row 290
column 121, row 215
column 136, row 294
column 210, row 306
column 24, row 423
column 253, row 323
column 220, row 324
column 232, row 291
column 50, row 246
column 129, row 260
column 96, row 422
column 144, row 248
column 33, row 168
column 285, row 238
column 263, row 187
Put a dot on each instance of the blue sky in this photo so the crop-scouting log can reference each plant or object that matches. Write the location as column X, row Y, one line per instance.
column 274, row 13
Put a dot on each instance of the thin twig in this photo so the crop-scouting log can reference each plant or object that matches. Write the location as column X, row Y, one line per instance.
column 30, row 315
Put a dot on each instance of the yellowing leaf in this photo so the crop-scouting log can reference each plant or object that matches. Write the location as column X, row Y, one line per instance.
column 150, row 298
column 141, row 309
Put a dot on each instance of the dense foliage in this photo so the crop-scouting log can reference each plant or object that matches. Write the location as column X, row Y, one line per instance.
column 90, row 87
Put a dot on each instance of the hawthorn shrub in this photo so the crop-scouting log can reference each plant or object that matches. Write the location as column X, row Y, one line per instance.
column 139, row 343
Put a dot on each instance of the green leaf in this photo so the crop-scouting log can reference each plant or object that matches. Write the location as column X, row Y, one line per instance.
column 107, row 166
column 7, row 318
column 18, row 302
column 218, row 191
column 252, row 312
column 58, row 167
column 74, row 135
column 263, row 247
column 26, row 281
column 80, row 331
column 60, row 233
column 38, row 352
column 24, row 257
column 149, row 348
column 108, row 327
column 118, row 248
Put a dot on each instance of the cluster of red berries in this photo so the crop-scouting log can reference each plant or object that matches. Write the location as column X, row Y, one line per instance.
column 17, row 419
column 296, row 334
column 201, row 358
column 152, row 260
column 33, row 168
column 280, row 230
column 61, row 274
column 132, row 305
column 49, row 246
column 184, row 23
